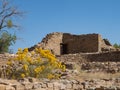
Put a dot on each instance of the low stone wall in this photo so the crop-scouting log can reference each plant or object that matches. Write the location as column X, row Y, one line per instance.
column 107, row 67
column 72, row 58
column 103, row 57
column 5, row 57
column 94, row 62
column 92, row 57
column 33, row 84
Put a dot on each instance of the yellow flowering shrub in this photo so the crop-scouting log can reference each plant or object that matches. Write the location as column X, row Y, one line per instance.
column 38, row 63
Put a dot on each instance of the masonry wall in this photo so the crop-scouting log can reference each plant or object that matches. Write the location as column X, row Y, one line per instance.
column 92, row 57
column 65, row 43
column 5, row 57
column 104, row 57
column 52, row 42
column 81, row 43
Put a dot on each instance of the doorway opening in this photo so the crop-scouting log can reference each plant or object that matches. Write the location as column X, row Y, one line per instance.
column 64, row 48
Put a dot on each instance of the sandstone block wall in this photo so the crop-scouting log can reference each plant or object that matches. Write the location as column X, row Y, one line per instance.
column 81, row 43
column 108, row 62
column 92, row 57
column 52, row 42
column 65, row 43
column 5, row 57
column 31, row 84
column 103, row 57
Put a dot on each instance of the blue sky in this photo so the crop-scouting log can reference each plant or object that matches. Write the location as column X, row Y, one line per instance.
column 71, row 16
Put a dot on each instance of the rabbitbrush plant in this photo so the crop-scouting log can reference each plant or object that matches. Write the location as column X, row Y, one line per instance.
column 38, row 63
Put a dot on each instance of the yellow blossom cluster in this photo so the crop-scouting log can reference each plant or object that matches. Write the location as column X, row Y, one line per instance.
column 38, row 63
column 39, row 69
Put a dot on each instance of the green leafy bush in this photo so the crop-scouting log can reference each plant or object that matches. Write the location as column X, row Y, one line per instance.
column 6, row 40
column 116, row 45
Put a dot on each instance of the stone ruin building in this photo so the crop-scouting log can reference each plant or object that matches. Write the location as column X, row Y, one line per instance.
column 77, row 52
column 65, row 43
column 89, row 51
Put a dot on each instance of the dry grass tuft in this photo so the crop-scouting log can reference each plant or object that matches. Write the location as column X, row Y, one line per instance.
column 98, row 75
column 83, row 75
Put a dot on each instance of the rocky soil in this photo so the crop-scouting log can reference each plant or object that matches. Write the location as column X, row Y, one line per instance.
column 62, row 84
column 72, row 79
column 78, row 76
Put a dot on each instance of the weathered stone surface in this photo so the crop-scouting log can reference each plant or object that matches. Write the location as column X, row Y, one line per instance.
column 2, row 87
column 65, row 43
column 69, row 66
column 9, row 88
column 50, row 85
column 62, row 86
column 36, row 85
column 28, row 86
column 19, row 87
column 93, row 84
column 56, row 85
column 43, row 85
column 69, row 86
column 77, row 86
